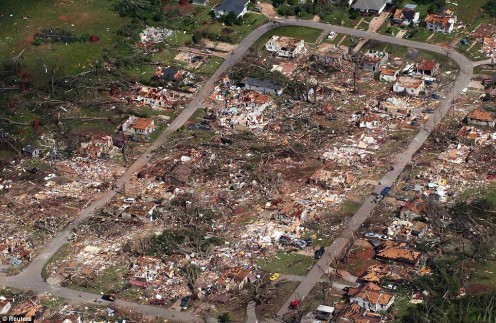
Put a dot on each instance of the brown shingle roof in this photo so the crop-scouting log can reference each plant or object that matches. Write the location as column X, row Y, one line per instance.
column 481, row 115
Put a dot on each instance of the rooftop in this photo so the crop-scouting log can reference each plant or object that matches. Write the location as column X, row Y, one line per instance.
column 427, row 65
column 409, row 83
column 481, row 115
column 142, row 123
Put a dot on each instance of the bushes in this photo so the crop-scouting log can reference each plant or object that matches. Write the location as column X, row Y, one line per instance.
column 58, row 35
column 490, row 8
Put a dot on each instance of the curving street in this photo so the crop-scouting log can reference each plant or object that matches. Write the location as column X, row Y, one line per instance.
column 30, row 277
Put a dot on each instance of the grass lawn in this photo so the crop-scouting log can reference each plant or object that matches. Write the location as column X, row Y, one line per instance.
column 421, row 35
column 63, row 252
column 468, row 11
column 80, row 17
column 339, row 16
column 109, row 281
column 309, row 35
column 211, row 66
column 486, row 275
column 289, row 263
column 237, row 32
column 349, row 207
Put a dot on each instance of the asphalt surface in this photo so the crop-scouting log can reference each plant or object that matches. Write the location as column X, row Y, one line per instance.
column 30, row 277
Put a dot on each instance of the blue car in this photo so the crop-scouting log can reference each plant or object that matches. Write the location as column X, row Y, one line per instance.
column 435, row 96
column 385, row 191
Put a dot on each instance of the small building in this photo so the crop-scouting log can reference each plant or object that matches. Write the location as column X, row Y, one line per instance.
column 285, row 46
column 370, row 6
column 389, row 74
column 330, row 54
column 235, row 278
column 441, row 23
column 136, row 125
column 409, row 85
column 373, row 59
column 371, row 297
column 406, row 16
column 238, row 7
column 31, row 151
column 481, row 117
column 262, row 86
column 428, row 67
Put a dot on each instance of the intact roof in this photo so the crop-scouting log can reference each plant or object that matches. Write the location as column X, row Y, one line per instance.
column 388, row 71
column 369, row 4
column 427, row 64
column 142, row 123
column 481, row 115
column 236, row 6
column 260, row 83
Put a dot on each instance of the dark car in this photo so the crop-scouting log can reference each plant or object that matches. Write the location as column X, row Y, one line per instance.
column 192, row 127
column 308, row 240
column 435, row 96
column 319, row 253
column 108, row 297
column 185, row 302
column 285, row 241
column 385, row 191
column 429, row 110
column 408, row 188
column 157, row 301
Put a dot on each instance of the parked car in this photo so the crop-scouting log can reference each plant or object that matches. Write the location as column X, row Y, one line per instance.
column 428, row 110
column 378, row 198
column 108, row 297
column 408, row 188
column 385, row 191
column 300, row 244
column 319, row 253
column 294, row 304
column 308, row 240
column 129, row 200
column 185, row 302
column 285, row 240
column 370, row 235
column 435, row 96
column 274, row 276
column 332, row 35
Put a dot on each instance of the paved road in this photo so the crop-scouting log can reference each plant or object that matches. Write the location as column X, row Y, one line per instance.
column 30, row 278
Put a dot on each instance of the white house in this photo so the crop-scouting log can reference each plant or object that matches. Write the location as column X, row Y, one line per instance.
column 406, row 16
column 409, row 85
column 441, row 23
column 135, row 125
column 389, row 74
column 481, row 118
column 155, row 97
column 285, row 46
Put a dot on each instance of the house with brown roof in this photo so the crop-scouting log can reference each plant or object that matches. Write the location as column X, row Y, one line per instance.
column 235, row 278
column 371, row 297
column 136, row 125
column 441, row 23
column 428, row 67
column 353, row 313
column 398, row 252
column 409, row 85
column 481, row 117
column 389, row 74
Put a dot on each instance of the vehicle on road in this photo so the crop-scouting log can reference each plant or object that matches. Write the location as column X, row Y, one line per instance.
column 378, row 198
column 274, row 276
column 319, row 253
column 294, row 304
column 108, row 297
column 385, row 191
column 428, row 110
column 185, row 302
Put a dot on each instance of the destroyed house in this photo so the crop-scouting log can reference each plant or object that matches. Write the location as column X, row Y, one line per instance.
column 178, row 176
column 31, row 151
column 99, row 146
column 442, row 23
column 413, row 209
column 353, row 313
column 330, row 54
column 378, row 273
column 371, row 297
column 253, row 99
column 238, row 7
column 235, row 278
column 140, row 210
column 170, row 74
column 428, row 67
column 370, row 6
column 155, row 97
column 136, row 125
column 290, row 213
column 398, row 252
column 406, row 16
column 285, row 46
column 484, row 31
column 481, row 117
column 262, row 86
column 372, row 60
column 409, row 85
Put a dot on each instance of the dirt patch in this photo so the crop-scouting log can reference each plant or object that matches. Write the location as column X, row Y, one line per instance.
column 360, row 260
column 63, row 18
column 267, row 10
column 85, row 15
column 473, row 289
column 28, row 39
column 316, row 18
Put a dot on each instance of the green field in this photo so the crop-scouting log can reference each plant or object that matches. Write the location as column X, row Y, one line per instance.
column 21, row 20
column 289, row 263
column 468, row 11
column 309, row 35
